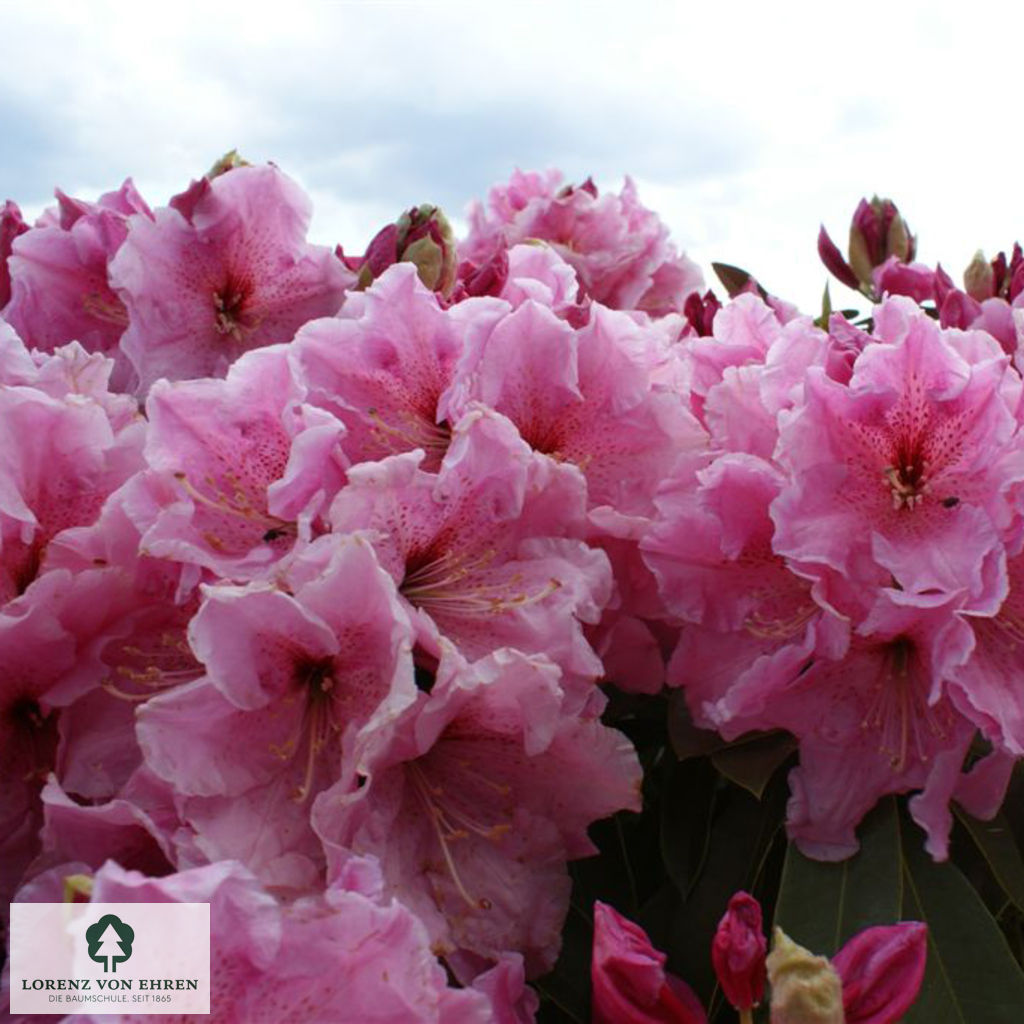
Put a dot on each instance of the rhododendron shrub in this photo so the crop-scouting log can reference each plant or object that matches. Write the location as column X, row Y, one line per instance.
column 461, row 614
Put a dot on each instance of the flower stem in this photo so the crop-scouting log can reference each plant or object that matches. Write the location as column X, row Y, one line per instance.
column 747, row 1016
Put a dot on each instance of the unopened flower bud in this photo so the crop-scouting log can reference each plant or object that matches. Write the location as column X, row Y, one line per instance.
column 486, row 279
column 425, row 238
column 805, row 988
column 1009, row 273
column 881, row 970
column 980, row 278
column 738, row 951
column 629, row 978
column 878, row 232
column 421, row 236
column 700, row 311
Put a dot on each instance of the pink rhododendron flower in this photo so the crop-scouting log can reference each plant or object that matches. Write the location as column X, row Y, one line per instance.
column 619, row 249
column 252, row 465
column 291, row 677
column 382, row 366
column 59, row 460
column 344, row 955
column 738, row 951
column 900, row 475
column 127, row 610
column 753, row 620
column 233, row 274
column 876, row 721
column 34, row 651
column 59, row 286
column 478, row 802
column 115, row 830
column 480, row 550
column 582, row 396
column 751, row 367
column 629, row 980
column 986, row 688
column 539, row 273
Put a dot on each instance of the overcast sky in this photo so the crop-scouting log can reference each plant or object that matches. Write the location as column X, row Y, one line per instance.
column 744, row 125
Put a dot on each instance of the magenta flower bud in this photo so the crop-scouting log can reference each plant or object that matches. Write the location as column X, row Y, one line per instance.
column 882, row 969
column 958, row 310
column 738, row 951
column 833, row 260
column 629, row 979
column 381, row 253
column 11, row 225
column 588, row 186
column 1009, row 274
column 486, row 279
column 700, row 311
column 878, row 232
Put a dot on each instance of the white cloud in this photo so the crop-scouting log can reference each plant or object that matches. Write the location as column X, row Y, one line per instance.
column 745, row 124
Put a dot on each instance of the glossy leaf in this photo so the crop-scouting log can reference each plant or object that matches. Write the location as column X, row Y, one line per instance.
column 686, row 738
column 996, row 844
column 565, row 992
column 822, row 904
column 686, row 804
column 752, row 763
column 971, row 977
column 743, row 831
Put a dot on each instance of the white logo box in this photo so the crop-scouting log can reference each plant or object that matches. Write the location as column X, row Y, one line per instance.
column 160, row 963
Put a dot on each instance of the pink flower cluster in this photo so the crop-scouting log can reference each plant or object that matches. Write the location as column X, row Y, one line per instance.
column 306, row 576
column 847, row 556
column 311, row 567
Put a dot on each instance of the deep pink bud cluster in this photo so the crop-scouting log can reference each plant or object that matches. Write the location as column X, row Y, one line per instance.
column 875, row 977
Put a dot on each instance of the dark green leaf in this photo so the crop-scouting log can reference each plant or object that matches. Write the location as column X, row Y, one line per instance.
column 995, row 841
column 686, row 802
column 971, row 977
column 826, row 309
column 742, row 833
column 751, row 763
column 686, row 739
column 821, row 905
column 565, row 992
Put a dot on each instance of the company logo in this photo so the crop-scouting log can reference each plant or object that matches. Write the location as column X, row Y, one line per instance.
column 110, row 960
column 110, row 942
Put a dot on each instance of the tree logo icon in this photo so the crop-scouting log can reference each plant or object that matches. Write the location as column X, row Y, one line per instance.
column 110, row 942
